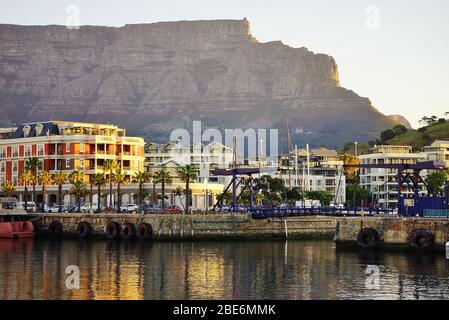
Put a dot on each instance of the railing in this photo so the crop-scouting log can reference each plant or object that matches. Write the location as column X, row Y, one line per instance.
column 265, row 213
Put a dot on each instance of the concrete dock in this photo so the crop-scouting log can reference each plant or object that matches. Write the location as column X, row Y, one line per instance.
column 365, row 232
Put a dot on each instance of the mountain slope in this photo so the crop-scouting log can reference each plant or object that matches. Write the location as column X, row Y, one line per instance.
column 152, row 78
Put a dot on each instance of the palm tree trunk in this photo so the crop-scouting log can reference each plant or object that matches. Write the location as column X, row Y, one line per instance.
column 78, row 196
column 34, row 193
column 60, row 197
column 43, row 197
column 110, row 191
column 26, row 196
column 99, row 198
column 118, row 197
column 163, row 195
column 187, row 195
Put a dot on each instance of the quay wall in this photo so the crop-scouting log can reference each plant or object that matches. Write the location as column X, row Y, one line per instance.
column 177, row 227
column 389, row 231
column 392, row 231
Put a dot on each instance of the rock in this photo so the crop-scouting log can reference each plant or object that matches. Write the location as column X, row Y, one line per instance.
column 152, row 78
column 398, row 119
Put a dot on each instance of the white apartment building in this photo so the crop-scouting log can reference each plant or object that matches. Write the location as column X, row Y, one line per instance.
column 323, row 172
column 382, row 182
column 438, row 151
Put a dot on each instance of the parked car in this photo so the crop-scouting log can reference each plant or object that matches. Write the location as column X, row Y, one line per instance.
column 31, row 206
column 173, row 209
column 129, row 208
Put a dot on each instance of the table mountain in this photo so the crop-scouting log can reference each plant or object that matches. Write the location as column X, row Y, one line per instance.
column 152, row 78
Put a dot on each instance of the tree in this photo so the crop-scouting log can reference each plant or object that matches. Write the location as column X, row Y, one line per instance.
column 180, row 194
column 32, row 164
column 424, row 121
column 224, row 198
column 435, row 182
column 45, row 179
column 99, row 181
column 399, row 129
column 163, row 177
column 351, row 172
column 357, row 195
column 187, row 174
column 59, row 178
column 79, row 187
column 25, row 178
column 324, row 197
column 140, row 178
column 8, row 188
column 386, row 135
column 293, row 195
column 120, row 179
column 109, row 166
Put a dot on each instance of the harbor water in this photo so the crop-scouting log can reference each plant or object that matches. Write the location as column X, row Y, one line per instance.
column 39, row 269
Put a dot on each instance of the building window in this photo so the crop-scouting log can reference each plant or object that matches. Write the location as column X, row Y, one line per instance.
column 67, row 147
column 81, row 163
column 2, row 180
column 15, row 180
column 14, row 167
column 3, row 152
column 81, row 147
column 27, row 151
column 40, row 150
column 67, row 163
column 2, row 167
column 15, row 151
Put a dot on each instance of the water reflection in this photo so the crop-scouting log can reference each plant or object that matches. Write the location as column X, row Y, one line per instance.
column 35, row 269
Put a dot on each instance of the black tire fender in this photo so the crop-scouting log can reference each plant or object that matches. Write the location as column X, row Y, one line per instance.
column 145, row 231
column 368, row 238
column 84, row 230
column 128, row 231
column 113, row 231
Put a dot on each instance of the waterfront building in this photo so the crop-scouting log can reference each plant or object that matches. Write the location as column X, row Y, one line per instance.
column 321, row 170
column 204, row 158
column 382, row 182
column 438, row 151
column 68, row 146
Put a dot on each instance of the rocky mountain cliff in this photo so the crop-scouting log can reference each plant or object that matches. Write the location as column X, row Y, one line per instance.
column 152, row 78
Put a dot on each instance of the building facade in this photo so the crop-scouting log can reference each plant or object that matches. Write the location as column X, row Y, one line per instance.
column 321, row 170
column 382, row 182
column 68, row 146
column 438, row 151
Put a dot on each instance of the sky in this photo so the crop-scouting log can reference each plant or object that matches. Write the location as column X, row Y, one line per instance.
column 396, row 53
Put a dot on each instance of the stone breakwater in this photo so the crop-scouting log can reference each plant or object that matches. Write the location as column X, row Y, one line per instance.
column 365, row 232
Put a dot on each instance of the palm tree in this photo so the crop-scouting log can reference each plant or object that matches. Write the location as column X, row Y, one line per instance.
column 59, row 178
column 99, row 181
column 119, row 179
column 140, row 178
column 109, row 166
column 31, row 165
column 424, row 121
column 162, row 176
column 45, row 179
column 25, row 177
column 187, row 174
column 8, row 188
column 79, row 187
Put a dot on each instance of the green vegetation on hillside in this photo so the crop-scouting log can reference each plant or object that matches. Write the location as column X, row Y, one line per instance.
column 434, row 129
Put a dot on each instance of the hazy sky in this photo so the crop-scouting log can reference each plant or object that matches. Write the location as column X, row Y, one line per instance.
column 394, row 52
